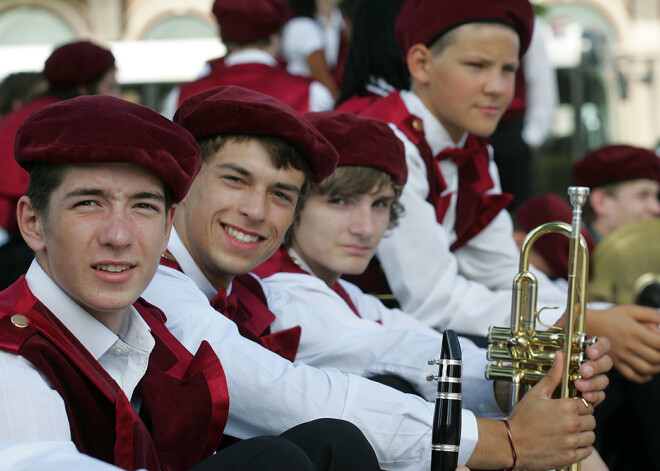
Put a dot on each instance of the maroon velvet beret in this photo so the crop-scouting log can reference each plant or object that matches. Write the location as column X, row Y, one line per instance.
column 363, row 141
column 96, row 128
column 236, row 110
column 249, row 20
column 77, row 63
column 423, row 21
column 616, row 163
column 553, row 247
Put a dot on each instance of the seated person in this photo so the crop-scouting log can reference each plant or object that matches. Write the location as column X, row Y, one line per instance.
column 85, row 362
column 259, row 155
column 624, row 182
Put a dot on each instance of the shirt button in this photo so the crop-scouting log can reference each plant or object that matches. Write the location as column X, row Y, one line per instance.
column 117, row 351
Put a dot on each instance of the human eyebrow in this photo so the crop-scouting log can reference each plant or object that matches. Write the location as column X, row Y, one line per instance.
column 148, row 195
column 235, row 168
column 287, row 187
column 84, row 192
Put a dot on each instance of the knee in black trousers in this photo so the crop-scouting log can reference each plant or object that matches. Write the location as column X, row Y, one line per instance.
column 259, row 454
column 334, row 445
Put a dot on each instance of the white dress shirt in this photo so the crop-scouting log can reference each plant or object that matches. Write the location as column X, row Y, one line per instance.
column 380, row 341
column 47, row 456
column 320, row 98
column 30, row 410
column 469, row 289
column 269, row 394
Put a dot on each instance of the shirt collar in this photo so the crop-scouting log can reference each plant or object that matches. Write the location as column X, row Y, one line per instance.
column 248, row 56
column 434, row 132
column 94, row 336
column 299, row 260
column 189, row 267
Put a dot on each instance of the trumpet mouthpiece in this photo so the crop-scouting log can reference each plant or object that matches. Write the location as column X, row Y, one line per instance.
column 578, row 195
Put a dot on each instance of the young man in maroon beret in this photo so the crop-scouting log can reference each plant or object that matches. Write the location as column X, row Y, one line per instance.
column 251, row 31
column 87, row 363
column 74, row 69
column 259, row 158
column 624, row 182
column 452, row 258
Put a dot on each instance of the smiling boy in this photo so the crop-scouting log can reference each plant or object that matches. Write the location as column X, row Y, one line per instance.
column 233, row 216
column 85, row 362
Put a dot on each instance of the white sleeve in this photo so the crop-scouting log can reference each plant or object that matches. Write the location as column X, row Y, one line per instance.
column 171, row 103
column 542, row 92
column 301, row 37
column 320, row 98
column 269, row 394
column 334, row 337
column 429, row 281
column 29, row 408
column 47, row 456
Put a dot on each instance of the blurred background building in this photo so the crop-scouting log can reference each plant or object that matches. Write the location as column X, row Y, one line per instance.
column 607, row 55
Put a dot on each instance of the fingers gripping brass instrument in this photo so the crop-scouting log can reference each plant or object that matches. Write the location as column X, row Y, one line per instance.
column 447, row 416
column 519, row 353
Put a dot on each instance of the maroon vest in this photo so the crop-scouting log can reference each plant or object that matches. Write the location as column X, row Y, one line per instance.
column 184, row 397
column 281, row 261
column 273, row 81
column 247, row 307
column 474, row 208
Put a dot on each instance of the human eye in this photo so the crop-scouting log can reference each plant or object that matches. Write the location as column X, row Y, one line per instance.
column 475, row 64
column 338, row 201
column 383, row 203
column 283, row 196
column 233, row 179
column 85, row 203
column 148, row 206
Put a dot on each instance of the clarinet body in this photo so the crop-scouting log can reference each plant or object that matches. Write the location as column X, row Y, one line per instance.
column 446, row 435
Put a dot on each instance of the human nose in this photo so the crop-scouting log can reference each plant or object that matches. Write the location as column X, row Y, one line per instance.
column 117, row 230
column 362, row 222
column 253, row 204
column 497, row 83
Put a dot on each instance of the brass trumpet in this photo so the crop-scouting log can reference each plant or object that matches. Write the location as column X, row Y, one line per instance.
column 519, row 353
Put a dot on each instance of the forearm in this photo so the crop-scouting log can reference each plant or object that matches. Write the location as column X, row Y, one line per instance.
column 492, row 450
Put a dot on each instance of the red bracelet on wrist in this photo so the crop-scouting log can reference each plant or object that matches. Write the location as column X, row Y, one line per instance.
column 513, row 449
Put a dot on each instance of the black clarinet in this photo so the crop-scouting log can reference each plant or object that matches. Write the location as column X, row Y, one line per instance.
column 448, row 404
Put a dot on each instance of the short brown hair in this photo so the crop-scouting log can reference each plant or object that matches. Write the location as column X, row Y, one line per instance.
column 46, row 177
column 357, row 180
column 283, row 154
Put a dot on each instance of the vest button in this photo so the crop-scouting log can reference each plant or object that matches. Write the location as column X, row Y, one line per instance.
column 20, row 321
column 417, row 125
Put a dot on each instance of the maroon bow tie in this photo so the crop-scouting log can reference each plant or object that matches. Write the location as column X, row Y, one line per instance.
column 459, row 155
column 225, row 304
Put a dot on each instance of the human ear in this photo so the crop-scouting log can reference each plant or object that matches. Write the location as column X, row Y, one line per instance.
column 597, row 200
column 169, row 221
column 418, row 60
column 30, row 224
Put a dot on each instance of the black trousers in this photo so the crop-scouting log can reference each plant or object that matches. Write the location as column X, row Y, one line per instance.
column 319, row 445
column 627, row 424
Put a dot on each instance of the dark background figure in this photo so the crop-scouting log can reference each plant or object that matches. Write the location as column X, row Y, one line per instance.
column 374, row 63
column 526, row 124
column 73, row 69
column 20, row 88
